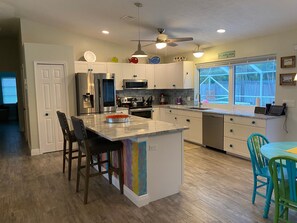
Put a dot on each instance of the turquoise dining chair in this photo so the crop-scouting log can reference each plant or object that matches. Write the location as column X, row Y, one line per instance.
column 260, row 166
column 283, row 172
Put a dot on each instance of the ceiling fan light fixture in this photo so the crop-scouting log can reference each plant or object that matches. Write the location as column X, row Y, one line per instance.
column 161, row 45
column 198, row 53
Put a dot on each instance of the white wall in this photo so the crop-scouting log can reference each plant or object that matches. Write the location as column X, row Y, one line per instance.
column 45, row 53
column 34, row 32
column 281, row 44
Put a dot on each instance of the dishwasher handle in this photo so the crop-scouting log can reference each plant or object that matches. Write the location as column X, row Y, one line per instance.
column 212, row 115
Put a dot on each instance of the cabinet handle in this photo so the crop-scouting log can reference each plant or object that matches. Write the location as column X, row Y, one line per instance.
column 253, row 122
column 175, row 118
column 188, row 120
column 231, row 130
column 231, row 145
column 155, row 85
column 173, row 85
column 170, row 111
column 231, row 119
column 134, row 75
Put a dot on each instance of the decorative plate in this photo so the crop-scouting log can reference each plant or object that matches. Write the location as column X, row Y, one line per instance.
column 90, row 56
column 154, row 60
column 133, row 60
column 114, row 59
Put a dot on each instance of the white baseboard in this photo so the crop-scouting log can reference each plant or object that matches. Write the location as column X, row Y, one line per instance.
column 139, row 201
column 35, row 152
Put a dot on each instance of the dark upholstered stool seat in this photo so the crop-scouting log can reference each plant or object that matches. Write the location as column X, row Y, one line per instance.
column 96, row 146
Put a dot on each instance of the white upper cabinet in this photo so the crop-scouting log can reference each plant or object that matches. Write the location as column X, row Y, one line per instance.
column 83, row 67
column 117, row 69
column 150, row 75
column 161, row 76
column 133, row 71
column 174, row 75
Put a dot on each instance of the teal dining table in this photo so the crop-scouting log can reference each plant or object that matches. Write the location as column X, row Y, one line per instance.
column 269, row 151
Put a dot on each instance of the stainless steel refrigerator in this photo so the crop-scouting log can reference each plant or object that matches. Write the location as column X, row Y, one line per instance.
column 95, row 93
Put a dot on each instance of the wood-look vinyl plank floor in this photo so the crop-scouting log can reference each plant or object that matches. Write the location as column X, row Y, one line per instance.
column 217, row 188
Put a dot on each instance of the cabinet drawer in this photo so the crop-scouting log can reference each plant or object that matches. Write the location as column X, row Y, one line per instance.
column 245, row 121
column 194, row 114
column 171, row 111
column 237, row 147
column 241, row 132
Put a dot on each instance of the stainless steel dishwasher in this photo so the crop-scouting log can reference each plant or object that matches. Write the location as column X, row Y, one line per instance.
column 213, row 130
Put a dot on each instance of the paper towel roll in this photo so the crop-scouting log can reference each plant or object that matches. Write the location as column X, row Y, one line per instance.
column 258, row 102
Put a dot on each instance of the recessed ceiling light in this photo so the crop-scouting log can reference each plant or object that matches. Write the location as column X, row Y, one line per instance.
column 221, row 30
column 105, row 32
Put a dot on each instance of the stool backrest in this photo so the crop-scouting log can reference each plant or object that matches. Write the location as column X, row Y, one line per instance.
column 254, row 143
column 79, row 130
column 64, row 124
column 283, row 171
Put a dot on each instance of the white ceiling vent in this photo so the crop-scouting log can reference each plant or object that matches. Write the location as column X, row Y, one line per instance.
column 128, row 18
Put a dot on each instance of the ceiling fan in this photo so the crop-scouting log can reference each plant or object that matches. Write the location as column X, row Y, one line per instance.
column 163, row 40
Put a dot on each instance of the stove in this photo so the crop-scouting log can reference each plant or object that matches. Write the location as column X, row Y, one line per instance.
column 138, row 106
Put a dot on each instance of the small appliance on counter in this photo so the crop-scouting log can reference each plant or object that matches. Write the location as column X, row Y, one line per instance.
column 162, row 99
column 179, row 101
column 138, row 106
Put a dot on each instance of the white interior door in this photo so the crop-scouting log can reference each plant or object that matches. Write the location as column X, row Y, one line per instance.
column 50, row 96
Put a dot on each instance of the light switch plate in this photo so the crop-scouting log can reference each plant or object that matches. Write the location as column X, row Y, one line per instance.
column 290, row 103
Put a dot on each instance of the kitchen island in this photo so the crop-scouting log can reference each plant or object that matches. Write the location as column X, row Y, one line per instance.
column 152, row 155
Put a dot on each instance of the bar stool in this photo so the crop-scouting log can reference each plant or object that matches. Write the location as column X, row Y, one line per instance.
column 95, row 147
column 68, row 136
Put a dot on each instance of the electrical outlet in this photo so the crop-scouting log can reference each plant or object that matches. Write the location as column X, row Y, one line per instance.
column 290, row 103
column 153, row 148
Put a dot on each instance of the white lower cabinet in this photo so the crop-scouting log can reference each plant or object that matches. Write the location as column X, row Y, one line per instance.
column 156, row 114
column 237, row 130
column 186, row 118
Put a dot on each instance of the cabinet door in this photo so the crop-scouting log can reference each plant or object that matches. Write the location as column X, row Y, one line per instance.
column 98, row 67
column 150, row 75
column 188, row 74
column 161, row 74
column 128, row 71
column 156, row 114
column 81, row 67
column 139, row 71
column 194, row 133
column 175, row 75
column 116, row 68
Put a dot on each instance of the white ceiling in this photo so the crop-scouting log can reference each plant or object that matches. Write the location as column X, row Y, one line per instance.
column 181, row 18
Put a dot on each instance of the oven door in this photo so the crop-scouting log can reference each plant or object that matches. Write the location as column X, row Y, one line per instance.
column 141, row 112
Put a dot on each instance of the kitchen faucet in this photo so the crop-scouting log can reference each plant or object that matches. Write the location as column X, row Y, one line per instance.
column 199, row 100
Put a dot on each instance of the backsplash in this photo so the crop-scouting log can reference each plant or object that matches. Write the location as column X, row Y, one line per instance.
column 170, row 95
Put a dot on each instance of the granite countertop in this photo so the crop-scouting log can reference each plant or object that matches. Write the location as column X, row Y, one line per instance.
column 136, row 127
column 219, row 111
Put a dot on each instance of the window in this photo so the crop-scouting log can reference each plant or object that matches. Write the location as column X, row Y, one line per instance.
column 254, row 80
column 9, row 92
column 251, row 78
column 214, row 84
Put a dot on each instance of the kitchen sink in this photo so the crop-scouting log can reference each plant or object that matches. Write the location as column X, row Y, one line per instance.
column 197, row 108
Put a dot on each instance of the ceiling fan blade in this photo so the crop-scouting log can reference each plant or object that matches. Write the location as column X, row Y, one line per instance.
column 148, row 44
column 143, row 40
column 182, row 39
column 172, row 44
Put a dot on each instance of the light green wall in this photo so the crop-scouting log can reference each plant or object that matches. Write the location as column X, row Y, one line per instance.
column 34, row 32
column 35, row 52
column 281, row 44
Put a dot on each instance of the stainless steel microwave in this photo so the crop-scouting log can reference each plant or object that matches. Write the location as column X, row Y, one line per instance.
column 135, row 84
